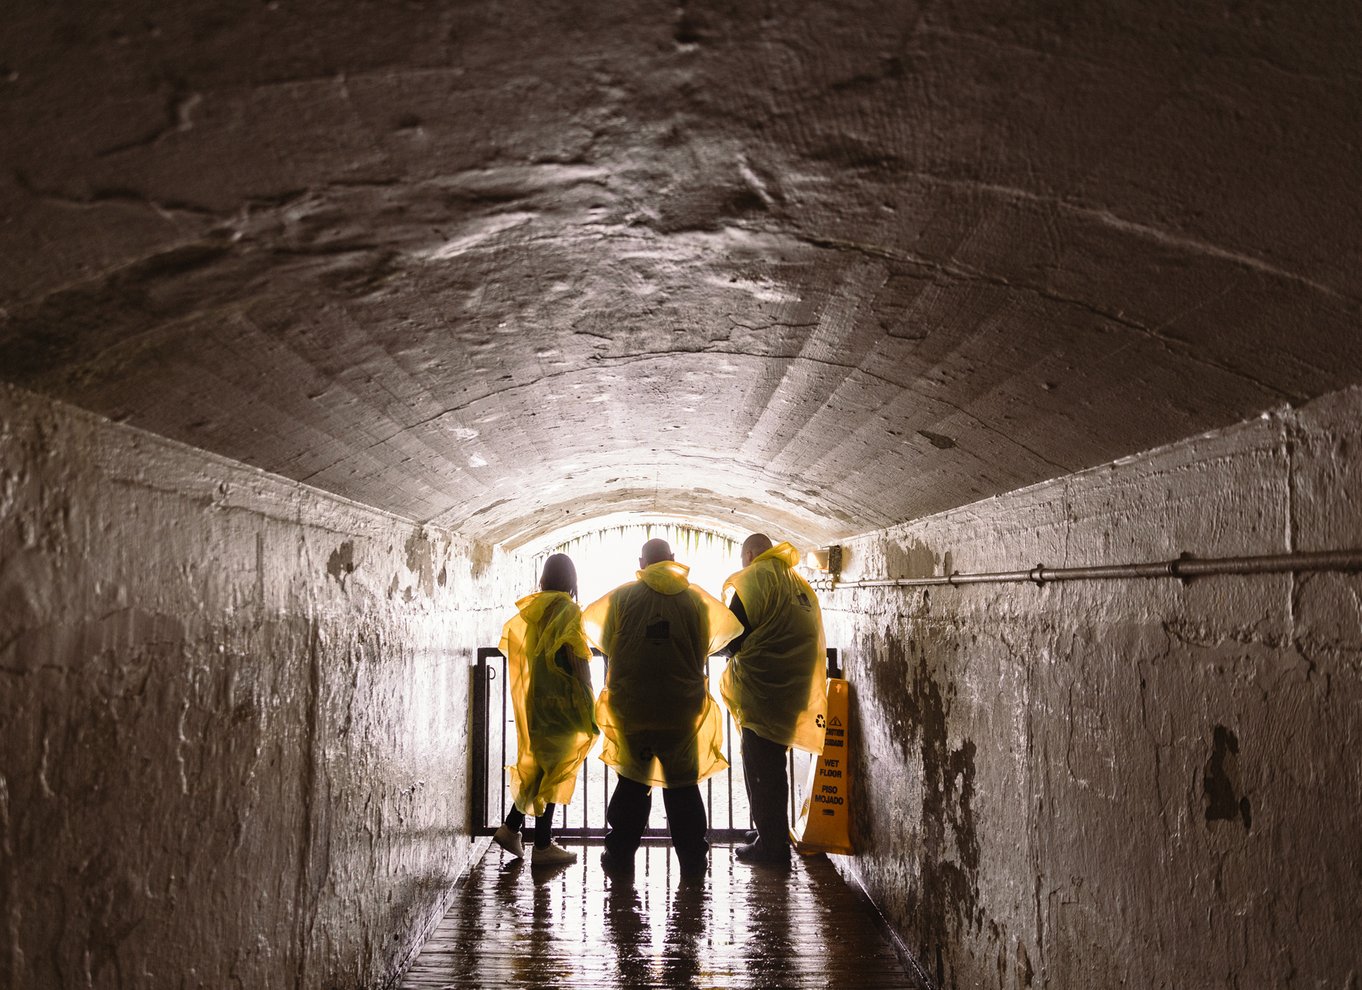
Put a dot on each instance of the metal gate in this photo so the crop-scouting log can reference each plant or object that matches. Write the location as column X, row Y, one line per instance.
column 584, row 818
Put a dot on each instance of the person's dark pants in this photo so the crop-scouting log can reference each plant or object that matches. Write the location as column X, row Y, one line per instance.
column 768, row 790
column 627, row 815
column 543, row 824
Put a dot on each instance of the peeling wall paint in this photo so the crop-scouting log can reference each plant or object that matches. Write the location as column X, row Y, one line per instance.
column 1123, row 783
column 233, row 717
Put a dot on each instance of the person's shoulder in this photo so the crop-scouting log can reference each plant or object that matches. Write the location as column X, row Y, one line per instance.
column 626, row 592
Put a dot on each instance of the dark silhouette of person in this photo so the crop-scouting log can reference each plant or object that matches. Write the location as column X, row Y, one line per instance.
column 775, row 685
column 662, row 728
column 550, row 685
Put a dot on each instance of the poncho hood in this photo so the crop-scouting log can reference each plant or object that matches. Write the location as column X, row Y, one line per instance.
column 532, row 607
column 783, row 552
column 666, row 577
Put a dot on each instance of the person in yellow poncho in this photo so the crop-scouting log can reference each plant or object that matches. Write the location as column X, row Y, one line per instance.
column 662, row 728
column 550, row 685
column 775, row 686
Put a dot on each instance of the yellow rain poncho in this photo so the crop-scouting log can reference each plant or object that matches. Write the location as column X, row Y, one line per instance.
column 661, row 726
column 776, row 684
column 554, row 725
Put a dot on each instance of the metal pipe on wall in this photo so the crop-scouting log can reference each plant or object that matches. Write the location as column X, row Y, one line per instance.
column 1184, row 568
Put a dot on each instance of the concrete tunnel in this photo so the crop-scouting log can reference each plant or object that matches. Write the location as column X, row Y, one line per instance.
column 319, row 320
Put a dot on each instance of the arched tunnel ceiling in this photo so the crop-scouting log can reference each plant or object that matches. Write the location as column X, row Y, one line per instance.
column 819, row 267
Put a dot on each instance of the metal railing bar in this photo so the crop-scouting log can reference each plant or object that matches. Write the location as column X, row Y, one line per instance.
column 587, row 829
column 728, row 742
column 480, row 732
column 1184, row 567
column 504, row 694
column 586, row 798
column 709, row 781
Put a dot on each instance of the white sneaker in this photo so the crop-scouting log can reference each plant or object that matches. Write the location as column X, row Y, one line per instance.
column 552, row 855
column 510, row 841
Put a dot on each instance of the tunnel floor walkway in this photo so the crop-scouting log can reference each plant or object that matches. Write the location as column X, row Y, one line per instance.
column 512, row 925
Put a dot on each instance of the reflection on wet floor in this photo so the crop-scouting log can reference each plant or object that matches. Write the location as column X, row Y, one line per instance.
column 513, row 925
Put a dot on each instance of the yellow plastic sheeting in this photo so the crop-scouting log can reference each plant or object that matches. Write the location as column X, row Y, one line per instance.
column 554, row 723
column 824, row 822
column 661, row 726
column 776, row 684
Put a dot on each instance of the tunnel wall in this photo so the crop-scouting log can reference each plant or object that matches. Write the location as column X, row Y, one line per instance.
column 234, row 716
column 1134, row 783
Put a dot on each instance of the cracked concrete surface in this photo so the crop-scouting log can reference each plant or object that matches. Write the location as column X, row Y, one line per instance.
column 425, row 257
column 1120, row 784
column 233, row 714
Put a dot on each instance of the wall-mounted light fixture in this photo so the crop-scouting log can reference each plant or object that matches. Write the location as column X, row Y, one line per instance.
column 827, row 560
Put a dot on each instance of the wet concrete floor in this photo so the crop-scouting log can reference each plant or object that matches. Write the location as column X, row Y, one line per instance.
column 514, row 925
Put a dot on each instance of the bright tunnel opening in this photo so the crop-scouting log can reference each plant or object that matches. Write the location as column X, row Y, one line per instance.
column 607, row 557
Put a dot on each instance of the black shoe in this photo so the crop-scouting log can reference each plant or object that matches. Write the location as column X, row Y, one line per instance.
column 754, row 853
column 694, row 869
column 750, row 836
column 616, row 865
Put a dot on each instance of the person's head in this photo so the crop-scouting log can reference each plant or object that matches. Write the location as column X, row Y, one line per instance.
column 655, row 551
column 754, row 546
column 559, row 575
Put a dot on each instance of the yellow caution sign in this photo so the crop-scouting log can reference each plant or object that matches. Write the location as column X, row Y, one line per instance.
column 824, row 822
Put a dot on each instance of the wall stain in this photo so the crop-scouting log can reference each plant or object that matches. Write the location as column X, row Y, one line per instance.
column 1028, row 974
column 938, row 440
column 1018, row 962
column 480, row 559
column 421, row 561
column 1220, row 781
column 913, row 559
column 341, row 563
column 947, row 898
